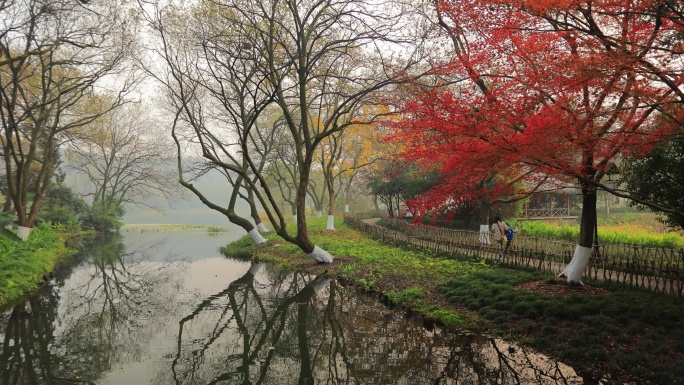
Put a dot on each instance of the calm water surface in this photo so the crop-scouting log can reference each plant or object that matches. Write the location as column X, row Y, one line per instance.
column 167, row 308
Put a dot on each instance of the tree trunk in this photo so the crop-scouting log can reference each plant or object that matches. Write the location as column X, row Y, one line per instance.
column 24, row 232
column 228, row 212
column 7, row 207
column 262, row 228
column 580, row 259
column 484, row 225
column 236, row 219
column 257, row 238
column 302, row 238
column 305, row 362
column 331, row 209
column 20, row 209
column 255, row 213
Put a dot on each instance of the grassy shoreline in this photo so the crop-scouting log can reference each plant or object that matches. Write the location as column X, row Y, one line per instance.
column 623, row 335
column 25, row 266
column 164, row 227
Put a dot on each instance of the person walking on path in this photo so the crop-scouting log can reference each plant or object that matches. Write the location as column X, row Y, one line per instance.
column 499, row 230
column 509, row 238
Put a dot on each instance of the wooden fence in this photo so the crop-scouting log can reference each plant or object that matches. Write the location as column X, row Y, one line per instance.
column 658, row 269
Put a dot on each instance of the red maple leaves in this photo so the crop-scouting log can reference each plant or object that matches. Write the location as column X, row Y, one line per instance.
column 558, row 89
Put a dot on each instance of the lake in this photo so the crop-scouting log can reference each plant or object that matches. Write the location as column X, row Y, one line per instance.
column 168, row 308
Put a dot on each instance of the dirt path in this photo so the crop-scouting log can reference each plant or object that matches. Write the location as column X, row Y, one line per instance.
column 371, row 221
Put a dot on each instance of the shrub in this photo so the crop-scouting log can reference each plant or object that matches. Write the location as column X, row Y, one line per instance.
column 103, row 218
column 62, row 205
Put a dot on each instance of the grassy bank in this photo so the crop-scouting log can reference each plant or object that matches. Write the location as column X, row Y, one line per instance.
column 24, row 264
column 628, row 334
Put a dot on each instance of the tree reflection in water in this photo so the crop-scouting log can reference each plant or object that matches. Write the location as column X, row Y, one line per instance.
column 270, row 327
column 99, row 315
column 27, row 357
column 124, row 313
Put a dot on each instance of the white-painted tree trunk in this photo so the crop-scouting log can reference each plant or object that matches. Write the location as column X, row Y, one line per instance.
column 262, row 228
column 24, row 232
column 574, row 270
column 346, row 208
column 319, row 283
column 485, row 235
column 321, row 255
column 319, row 214
column 256, row 237
column 331, row 223
column 294, row 218
column 8, row 226
column 255, row 267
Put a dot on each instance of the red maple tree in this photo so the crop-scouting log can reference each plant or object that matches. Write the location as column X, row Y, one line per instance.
column 536, row 90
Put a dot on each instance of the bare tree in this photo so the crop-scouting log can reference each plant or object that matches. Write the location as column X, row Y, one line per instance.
column 56, row 55
column 282, row 173
column 126, row 159
column 225, row 62
column 264, row 144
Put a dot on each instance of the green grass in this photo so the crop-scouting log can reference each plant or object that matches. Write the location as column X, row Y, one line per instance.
column 243, row 249
column 370, row 264
column 630, row 334
column 216, row 229
column 22, row 264
column 406, row 297
column 601, row 332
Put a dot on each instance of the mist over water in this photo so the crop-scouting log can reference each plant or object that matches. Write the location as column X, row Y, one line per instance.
column 190, row 211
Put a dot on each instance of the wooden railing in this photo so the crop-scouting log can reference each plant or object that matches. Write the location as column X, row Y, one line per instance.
column 547, row 212
column 658, row 269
